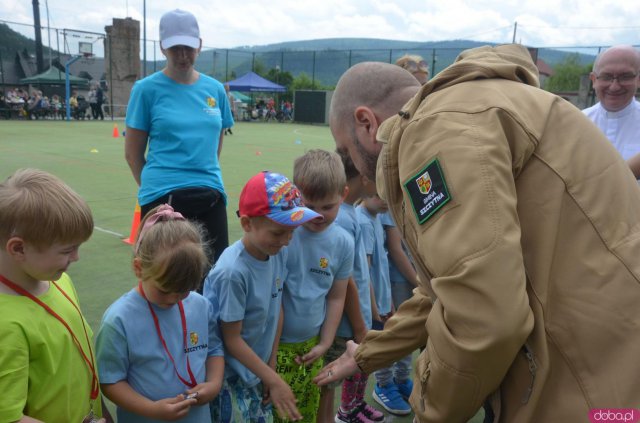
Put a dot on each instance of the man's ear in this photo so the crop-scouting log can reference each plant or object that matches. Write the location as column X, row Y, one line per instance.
column 137, row 267
column 592, row 77
column 15, row 248
column 366, row 124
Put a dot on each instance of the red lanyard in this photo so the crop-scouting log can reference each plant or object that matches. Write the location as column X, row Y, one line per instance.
column 183, row 320
column 95, row 387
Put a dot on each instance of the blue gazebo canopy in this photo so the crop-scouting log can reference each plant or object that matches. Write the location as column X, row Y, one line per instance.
column 252, row 82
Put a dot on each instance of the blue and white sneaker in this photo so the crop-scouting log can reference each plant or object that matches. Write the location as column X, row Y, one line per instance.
column 389, row 398
column 405, row 388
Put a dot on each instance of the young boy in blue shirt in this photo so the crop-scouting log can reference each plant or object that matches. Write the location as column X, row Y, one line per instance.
column 403, row 278
column 320, row 262
column 245, row 288
column 356, row 319
column 385, row 392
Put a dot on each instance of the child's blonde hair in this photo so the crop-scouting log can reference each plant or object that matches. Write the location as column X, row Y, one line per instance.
column 42, row 210
column 319, row 174
column 171, row 250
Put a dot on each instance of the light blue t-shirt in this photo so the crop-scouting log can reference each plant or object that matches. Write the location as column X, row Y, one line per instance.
column 395, row 276
column 128, row 348
column 373, row 235
column 241, row 287
column 348, row 220
column 316, row 261
column 184, row 123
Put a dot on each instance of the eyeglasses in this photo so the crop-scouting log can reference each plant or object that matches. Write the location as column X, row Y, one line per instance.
column 413, row 66
column 624, row 78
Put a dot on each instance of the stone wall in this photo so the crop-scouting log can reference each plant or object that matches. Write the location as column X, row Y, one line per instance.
column 122, row 62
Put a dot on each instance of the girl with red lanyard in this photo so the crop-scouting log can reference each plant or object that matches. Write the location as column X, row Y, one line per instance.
column 159, row 352
column 47, row 367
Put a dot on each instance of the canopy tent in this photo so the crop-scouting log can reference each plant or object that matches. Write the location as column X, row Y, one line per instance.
column 252, row 82
column 239, row 96
column 54, row 76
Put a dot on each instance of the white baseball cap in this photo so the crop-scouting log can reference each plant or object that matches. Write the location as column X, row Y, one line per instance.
column 179, row 28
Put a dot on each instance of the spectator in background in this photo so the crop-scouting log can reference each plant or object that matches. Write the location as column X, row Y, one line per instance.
column 180, row 114
column 73, row 102
column 416, row 66
column 93, row 102
column 99, row 102
column 615, row 80
column 56, row 107
column 232, row 105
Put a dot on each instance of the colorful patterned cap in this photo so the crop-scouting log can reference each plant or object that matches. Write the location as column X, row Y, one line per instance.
column 272, row 195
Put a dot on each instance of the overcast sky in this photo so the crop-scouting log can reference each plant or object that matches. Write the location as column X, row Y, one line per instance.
column 228, row 24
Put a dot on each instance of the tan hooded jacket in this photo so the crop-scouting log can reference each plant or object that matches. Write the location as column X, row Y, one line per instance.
column 524, row 225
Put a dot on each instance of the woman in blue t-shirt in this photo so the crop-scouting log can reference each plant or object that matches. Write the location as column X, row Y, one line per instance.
column 179, row 114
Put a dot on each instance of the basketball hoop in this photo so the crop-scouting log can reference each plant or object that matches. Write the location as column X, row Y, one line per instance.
column 87, row 58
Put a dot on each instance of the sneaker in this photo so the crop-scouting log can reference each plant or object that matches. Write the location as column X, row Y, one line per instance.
column 389, row 397
column 371, row 413
column 405, row 388
column 354, row 416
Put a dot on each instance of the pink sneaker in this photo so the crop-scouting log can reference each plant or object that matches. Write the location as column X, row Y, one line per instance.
column 371, row 413
column 354, row 416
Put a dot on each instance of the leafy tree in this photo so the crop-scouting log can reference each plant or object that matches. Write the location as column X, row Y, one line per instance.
column 566, row 74
column 279, row 77
column 303, row 82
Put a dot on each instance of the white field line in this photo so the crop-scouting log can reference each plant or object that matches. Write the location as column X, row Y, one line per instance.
column 106, row 231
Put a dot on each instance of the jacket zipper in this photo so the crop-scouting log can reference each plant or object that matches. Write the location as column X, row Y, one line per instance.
column 533, row 367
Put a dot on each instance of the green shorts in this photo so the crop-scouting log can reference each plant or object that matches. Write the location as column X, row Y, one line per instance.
column 300, row 378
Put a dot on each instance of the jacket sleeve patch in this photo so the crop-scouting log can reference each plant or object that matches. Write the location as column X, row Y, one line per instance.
column 428, row 191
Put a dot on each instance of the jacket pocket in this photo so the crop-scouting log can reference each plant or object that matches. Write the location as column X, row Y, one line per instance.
column 423, row 371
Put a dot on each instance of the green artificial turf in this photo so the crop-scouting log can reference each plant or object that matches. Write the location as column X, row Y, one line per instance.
column 87, row 156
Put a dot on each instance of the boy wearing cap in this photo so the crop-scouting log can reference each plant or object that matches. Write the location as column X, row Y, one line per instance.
column 320, row 262
column 245, row 287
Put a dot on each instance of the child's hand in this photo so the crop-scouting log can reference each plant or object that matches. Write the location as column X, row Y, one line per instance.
column 173, row 408
column 359, row 334
column 313, row 354
column 204, row 392
column 280, row 394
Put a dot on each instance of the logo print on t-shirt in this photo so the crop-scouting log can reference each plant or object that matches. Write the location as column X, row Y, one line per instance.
column 193, row 337
column 324, row 262
column 211, row 102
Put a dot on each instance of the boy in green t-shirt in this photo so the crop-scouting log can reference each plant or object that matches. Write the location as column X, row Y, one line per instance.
column 48, row 367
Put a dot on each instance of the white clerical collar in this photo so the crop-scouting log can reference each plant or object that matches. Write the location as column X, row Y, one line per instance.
column 620, row 113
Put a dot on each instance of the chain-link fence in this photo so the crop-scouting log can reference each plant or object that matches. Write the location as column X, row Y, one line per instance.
column 321, row 67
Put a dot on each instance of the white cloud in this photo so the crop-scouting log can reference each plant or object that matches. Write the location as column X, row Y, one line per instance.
column 226, row 24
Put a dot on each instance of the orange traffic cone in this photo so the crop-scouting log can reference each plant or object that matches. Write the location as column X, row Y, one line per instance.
column 135, row 223
column 116, row 133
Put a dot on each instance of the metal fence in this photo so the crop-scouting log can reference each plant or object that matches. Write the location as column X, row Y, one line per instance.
column 322, row 67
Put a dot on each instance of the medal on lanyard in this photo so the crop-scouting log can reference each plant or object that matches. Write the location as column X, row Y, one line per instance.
column 88, row 358
column 192, row 382
column 90, row 418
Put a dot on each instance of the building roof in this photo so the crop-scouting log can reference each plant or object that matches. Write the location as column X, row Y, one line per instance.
column 24, row 66
column 543, row 68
